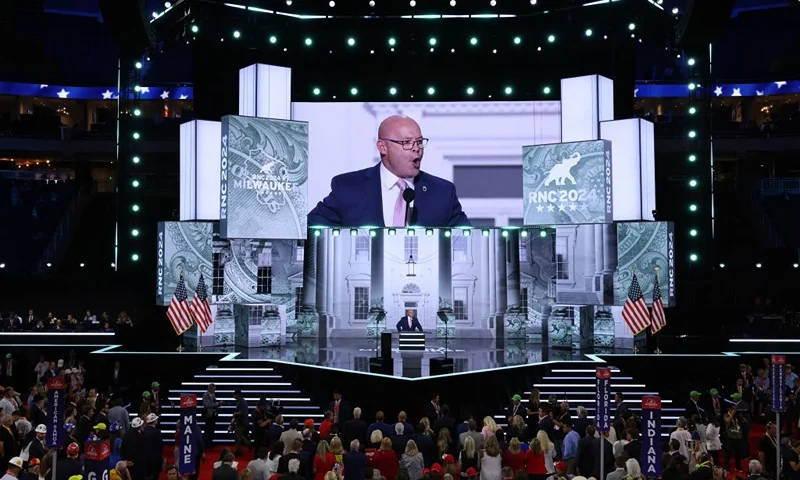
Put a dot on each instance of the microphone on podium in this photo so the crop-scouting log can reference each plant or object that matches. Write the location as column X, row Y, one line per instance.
column 408, row 196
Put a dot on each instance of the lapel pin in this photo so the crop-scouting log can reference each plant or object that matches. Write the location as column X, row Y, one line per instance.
column 424, row 188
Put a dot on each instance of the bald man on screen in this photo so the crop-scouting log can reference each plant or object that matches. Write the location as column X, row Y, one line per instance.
column 374, row 196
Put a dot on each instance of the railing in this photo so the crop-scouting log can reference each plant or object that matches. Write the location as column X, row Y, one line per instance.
column 63, row 233
column 780, row 186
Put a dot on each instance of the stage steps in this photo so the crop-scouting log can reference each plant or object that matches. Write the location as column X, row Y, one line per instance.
column 256, row 378
column 575, row 383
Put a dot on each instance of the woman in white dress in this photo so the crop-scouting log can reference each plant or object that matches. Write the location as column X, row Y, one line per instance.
column 549, row 451
column 491, row 460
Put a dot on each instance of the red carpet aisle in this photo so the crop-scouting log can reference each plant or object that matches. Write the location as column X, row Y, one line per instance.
column 212, row 456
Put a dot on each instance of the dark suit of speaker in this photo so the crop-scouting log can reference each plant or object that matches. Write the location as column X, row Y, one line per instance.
column 403, row 326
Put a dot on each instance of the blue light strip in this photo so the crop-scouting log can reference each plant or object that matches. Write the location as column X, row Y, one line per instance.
column 642, row 90
column 67, row 92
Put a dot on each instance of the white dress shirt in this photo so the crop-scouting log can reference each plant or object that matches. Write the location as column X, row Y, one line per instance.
column 389, row 193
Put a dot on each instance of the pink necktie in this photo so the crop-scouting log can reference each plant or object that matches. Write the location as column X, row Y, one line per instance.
column 400, row 205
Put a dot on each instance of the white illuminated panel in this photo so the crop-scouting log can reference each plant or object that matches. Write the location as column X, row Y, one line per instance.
column 199, row 170
column 648, row 167
column 265, row 91
column 633, row 174
column 585, row 102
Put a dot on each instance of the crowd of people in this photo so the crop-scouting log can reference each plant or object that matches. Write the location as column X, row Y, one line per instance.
column 541, row 439
column 90, row 322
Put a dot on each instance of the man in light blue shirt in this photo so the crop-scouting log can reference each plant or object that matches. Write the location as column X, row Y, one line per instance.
column 571, row 438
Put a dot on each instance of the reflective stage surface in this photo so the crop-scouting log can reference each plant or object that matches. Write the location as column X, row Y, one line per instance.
column 468, row 355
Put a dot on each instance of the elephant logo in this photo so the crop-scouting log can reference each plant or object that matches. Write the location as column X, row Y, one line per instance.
column 561, row 173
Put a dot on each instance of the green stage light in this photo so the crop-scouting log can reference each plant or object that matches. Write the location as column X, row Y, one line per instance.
column 354, row 91
column 135, row 183
column 588, row 32
column 273, row 39
column 237, row 34
column 447, row 233
column 470, row 90
column 693, row 232
column 351, row 41
column 692, row 86
column 690, row 61
column 316, row 91
column 508, row 90
column 473, row 41
column 431, row 90
column 693, row 183
column 546, row 90
column 195, row 29
column 136, row 159
column 392, row 91
column 551, row 38
column 135, row 257
column 392, row 41
column 136, row 135
column 517, row 40
column 137, row 88
column 135, row 232
column 692, row 110
column 485, row 232
column 353, row 232
column 692, row 134
column 523, row 233
column 432, row 41
column 135, row 207
column 317, row 233
column 692, row 207
column 693, row 257
column 631, row 26
column 308, row 41
column 137, row 112
column 138, row 65
column 692, row 157
column 542, row 233
column 467, row 232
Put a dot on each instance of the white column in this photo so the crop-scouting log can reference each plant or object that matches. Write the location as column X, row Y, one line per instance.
column 330, row 272
column 376, row 270
column 609, row 248
column 322, row 266
column 488, row 244
column 310, row 271
column 445, row 267
column 598, row 249
column 500, row 268
column 485, row 286
column 588, row 252
column 265, row 91
column 512, row 270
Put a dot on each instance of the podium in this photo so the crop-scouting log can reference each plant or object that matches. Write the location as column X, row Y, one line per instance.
column 412, row 341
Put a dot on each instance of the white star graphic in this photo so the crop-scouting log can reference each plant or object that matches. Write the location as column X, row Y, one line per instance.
column 561, row 207
column 718, row 91
column 759, row 93
column 635, row 91
column 550, row 208
column 164, row 95
column 539, row 208
column 184, row 97
column 737, row 92
column 43, row 86
column 144, row 90
column 572, row 206
column 62, row 94
column 780, row 84
column 107, row 94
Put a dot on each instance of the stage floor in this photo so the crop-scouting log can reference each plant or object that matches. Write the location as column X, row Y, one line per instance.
column 468, row 355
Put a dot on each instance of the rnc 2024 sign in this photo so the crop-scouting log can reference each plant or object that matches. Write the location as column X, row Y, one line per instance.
column 567, row 183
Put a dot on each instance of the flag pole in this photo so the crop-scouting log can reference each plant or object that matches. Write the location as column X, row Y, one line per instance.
column 199, row 330
column 635, row 348
column 180, row 336
column 658, row 337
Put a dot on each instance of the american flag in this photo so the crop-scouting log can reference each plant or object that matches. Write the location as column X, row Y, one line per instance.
column 200, row 308
column 659, row 319
column 178, row 311
column 635, row 312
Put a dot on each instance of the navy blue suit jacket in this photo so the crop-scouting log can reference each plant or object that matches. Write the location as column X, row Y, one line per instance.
column 355, row 201
column 402, row 325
